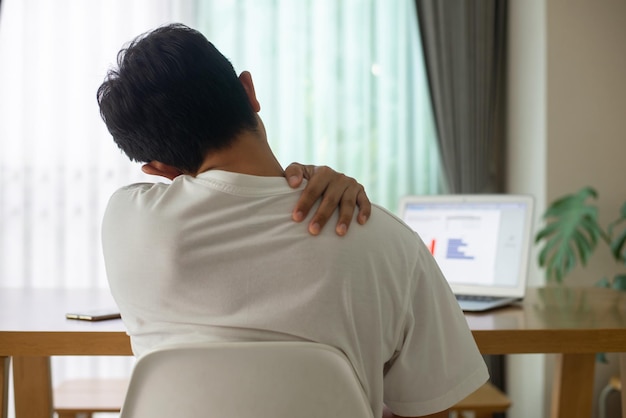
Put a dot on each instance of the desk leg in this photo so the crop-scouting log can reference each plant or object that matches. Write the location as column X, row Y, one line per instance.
column 4, row 386
column 32, row 375
column 622, row 373
column 572, row 393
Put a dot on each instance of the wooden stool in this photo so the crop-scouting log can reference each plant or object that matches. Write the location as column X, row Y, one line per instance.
column 483, row 403
column 80, row 398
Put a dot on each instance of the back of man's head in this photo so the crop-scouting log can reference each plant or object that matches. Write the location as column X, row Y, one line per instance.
column 173, row 98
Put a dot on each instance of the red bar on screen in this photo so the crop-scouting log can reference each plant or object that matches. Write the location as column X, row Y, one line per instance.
column 431, row 247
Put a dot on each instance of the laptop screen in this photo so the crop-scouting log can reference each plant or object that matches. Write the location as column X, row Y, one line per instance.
column 480, row 242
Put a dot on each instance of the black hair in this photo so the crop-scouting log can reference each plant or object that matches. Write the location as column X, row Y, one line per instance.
column 173, row 98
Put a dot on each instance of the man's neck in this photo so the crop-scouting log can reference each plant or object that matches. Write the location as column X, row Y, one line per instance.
column 248, row 154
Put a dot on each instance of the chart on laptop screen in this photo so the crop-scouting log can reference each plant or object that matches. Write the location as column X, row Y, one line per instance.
column 478, row 241
column 461, row 241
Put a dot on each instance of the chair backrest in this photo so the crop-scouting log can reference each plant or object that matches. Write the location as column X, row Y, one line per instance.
column 245, row 379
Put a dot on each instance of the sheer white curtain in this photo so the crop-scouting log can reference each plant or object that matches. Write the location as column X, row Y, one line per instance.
column 58, row 164
column 341, row 83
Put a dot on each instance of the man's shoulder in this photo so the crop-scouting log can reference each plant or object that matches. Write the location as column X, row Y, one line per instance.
column 133, row 198
column 140, row 187
column 384, row 218
column 386, row 232
column 136, row 191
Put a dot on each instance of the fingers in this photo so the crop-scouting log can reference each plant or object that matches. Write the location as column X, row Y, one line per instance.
column 333, row 198
column 296, row 172
column 319, row 180
column 354, row 195
column 365, row 206
column 337, row 191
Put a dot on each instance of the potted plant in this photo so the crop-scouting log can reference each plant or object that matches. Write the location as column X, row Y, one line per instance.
column 572, row 233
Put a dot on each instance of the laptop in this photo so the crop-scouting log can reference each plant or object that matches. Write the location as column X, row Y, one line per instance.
column 480, row 242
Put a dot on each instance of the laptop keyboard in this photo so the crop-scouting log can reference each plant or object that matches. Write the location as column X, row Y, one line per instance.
column 477, row 298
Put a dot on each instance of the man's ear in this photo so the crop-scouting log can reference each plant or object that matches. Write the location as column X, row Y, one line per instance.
column 157, row 168
column 248, row 85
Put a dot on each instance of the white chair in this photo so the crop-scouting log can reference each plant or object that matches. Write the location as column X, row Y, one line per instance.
column 245, row 379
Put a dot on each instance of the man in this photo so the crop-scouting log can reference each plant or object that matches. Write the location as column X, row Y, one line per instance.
column 213, row 256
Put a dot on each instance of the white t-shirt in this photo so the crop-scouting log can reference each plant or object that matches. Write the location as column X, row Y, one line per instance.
column 217, row 257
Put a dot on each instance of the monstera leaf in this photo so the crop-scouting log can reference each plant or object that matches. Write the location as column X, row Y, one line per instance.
column 618, row 239
column 571, row 233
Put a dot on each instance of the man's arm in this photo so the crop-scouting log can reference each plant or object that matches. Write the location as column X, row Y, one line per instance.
column 336, row 190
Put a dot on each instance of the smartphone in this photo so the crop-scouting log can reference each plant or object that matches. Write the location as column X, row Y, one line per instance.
column 94, row 315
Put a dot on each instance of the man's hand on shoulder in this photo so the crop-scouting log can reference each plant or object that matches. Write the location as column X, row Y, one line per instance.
column 337, row 191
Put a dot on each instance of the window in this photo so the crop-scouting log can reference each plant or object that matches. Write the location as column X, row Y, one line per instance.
column 341, row 83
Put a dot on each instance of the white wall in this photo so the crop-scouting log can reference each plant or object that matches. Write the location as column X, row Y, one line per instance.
column 526, row 161
column 587, row 106
column 566, row 129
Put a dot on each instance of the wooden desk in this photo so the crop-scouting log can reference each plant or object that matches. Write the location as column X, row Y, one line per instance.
column 33, row 328
column 575, row 323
